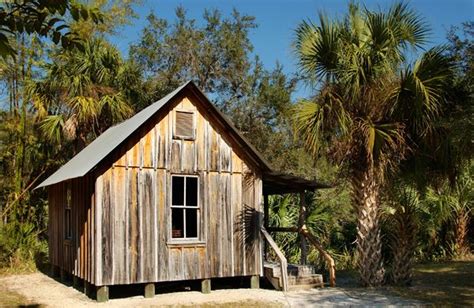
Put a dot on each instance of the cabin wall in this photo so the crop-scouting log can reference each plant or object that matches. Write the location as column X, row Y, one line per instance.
column 72, row 255
column 133, row 196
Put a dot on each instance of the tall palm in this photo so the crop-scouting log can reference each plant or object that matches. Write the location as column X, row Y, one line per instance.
column 82, row 95
column 370, row 108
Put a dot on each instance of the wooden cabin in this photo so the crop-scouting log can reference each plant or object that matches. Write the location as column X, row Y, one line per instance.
column 173, row 193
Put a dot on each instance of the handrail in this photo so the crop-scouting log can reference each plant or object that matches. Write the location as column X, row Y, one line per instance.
column 281, row 256
column 319, row 247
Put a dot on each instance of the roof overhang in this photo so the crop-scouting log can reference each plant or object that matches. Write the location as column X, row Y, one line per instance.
column 276, row 183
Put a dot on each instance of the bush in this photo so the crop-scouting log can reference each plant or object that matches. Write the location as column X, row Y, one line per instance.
column 21, row 250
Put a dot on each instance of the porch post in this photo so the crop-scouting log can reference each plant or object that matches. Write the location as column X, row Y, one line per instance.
column 301, row 223
column 265, row 224
column 265, row 211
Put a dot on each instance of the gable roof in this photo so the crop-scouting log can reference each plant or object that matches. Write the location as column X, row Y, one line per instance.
column 108, row 141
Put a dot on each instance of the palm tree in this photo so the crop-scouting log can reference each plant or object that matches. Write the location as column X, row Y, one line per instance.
column 370, row 107
column 82, row 94
column 456, row 201
column 404, row 214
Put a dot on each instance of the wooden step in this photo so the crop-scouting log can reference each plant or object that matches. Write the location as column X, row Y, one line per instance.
column 293, row 269
column 299, row 276
column 314, row 279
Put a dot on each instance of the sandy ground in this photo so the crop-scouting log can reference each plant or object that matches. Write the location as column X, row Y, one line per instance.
column 43, row 290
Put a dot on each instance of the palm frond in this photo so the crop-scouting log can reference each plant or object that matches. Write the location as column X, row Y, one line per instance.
column 85, row 108
column 309, row 121
column 383, row 140
column 116, row 107
column 421, row 91
column 317, row 47
column 52, row 127
column 408, row 27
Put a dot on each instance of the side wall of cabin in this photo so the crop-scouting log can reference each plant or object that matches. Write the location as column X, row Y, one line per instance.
column 133, row 197
column 72, row 250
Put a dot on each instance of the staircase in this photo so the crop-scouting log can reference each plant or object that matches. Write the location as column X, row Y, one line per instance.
column 300, row 277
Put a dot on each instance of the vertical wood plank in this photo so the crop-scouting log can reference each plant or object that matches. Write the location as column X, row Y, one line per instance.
column 120, row 204
column 133, row 230
column 98, row 233
column 162, row 225
column 237, row 225
column 107, row 241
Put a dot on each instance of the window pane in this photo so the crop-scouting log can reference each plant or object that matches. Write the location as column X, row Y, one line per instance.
column 177, row 230
column 67, row 223
column 178, row 190
column 191, row 223
column 191, row 191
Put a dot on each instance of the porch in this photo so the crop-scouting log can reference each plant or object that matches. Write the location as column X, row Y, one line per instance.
column 284, row 276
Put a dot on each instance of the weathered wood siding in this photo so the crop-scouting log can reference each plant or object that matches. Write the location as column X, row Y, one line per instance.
column 73, row 255
column 132, row 197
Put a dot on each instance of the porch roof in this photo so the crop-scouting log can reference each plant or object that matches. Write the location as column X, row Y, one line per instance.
column 276, row 183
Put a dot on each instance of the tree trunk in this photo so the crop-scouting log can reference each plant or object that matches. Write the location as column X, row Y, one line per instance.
column 403, row 245
column 369, row 246
column 461, row 245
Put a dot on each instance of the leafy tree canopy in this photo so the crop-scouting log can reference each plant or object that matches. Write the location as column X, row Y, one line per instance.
column 43, row 17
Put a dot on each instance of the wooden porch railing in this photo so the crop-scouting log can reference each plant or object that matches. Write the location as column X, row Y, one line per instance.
column 281, row 257
column 329, row 260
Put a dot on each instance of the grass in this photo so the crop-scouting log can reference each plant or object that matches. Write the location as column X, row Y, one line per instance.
column 442, row 284
column 448, row 283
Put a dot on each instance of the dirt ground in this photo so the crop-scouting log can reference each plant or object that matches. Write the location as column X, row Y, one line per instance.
column 39, row 289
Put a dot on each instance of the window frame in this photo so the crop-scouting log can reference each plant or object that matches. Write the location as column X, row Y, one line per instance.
column 68, row 230
column 198, row 208
column 181, row 137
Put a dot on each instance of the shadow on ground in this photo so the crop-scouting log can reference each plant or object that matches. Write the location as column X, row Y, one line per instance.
column 448, row 283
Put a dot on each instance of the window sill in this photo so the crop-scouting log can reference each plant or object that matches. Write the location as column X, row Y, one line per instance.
column 181, row 243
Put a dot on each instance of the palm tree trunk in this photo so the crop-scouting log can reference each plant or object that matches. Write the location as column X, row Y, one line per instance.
column 461, row 245
column 403, row 245
column 369, row 245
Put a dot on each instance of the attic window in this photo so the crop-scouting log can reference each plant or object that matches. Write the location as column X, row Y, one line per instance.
column 184, row 125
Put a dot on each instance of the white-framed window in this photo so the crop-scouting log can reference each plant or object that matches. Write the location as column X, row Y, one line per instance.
column 185, row 208
column 68, row 214
column 184, row 125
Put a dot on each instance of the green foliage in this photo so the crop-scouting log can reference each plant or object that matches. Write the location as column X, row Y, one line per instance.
column 330, row 219
column 215, row 54
column 369, row 112
column 81, row 105
column 114, row 15
column 43, row 18
column 19, row 246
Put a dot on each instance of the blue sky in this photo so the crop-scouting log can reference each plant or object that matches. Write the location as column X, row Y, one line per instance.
column 277, row 20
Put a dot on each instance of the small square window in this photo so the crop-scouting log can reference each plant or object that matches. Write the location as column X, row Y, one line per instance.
column 184, row 125
column 185, row 211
